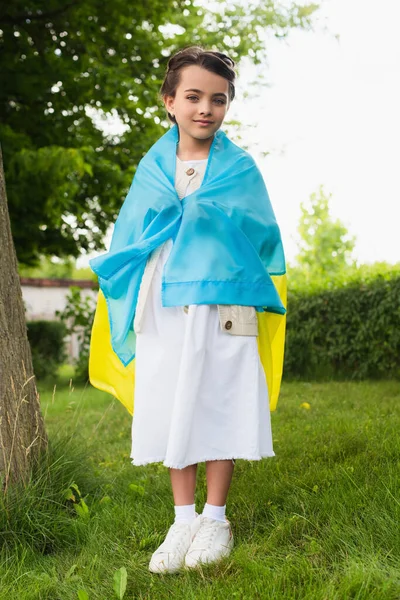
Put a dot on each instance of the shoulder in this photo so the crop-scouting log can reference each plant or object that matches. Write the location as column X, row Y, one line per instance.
column 236, row 151
column 164, row 146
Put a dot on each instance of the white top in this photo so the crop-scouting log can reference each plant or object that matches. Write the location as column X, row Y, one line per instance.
column 196, row 160
column 187, row 182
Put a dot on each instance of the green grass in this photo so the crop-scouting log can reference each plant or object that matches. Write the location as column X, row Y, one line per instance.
column 318, row 521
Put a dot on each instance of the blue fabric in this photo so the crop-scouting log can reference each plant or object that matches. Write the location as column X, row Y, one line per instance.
column 226, row 239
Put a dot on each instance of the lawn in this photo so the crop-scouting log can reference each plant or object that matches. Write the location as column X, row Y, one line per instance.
column 318, row 521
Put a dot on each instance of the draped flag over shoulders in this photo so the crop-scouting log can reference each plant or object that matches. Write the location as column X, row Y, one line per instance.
column 227, row 249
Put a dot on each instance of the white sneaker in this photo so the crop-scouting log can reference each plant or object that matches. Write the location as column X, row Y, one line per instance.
column 170, row 556
column 213, row 540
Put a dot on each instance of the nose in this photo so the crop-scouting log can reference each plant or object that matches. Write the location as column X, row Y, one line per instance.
column 205, row 108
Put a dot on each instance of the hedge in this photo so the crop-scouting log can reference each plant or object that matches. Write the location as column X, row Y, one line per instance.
column 46, row 339
column 352, row 332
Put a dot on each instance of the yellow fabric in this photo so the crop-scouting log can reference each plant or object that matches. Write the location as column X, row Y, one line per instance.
column 107, row 373
column 271, row 343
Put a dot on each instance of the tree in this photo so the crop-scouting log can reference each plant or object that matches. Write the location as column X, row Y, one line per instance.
column 325, row 246
column 64, row 61
column 22, row 432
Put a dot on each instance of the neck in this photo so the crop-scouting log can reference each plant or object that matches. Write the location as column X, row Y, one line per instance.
column 192, row 149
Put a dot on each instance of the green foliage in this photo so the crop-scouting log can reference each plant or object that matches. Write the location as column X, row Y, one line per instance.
column 325, row 258
column 39, row 516
column 318, row 520
column 325, row 247
column 83, row 273
column 48, row 268
column 120, row 582
column 52, row 268
column 46, row 339
column 73, row 494
column 68, row 65
column 350, row 275
column 352, row 331
column 78, row 318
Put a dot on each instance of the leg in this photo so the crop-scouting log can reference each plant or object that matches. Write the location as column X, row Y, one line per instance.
column 170, row 555
column 214, row 538
column 219, row 476
column 183, row 482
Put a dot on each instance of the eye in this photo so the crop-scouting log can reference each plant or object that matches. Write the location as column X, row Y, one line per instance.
column 219, row 101
column 192, row 98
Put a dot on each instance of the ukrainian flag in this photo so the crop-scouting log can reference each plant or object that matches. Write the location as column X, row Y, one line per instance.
column 107, row 373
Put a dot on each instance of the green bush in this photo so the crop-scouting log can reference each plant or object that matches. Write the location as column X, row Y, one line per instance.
column 352, row 332
column 78, row 317
column 46, row 339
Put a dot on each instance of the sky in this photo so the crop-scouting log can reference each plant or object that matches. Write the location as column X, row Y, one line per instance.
column 330, row 115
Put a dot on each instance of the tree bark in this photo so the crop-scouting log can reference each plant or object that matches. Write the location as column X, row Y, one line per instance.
column 22, row 431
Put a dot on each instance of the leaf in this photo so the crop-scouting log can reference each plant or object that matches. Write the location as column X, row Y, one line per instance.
column 69, row 495
column 83, row 595
column 120, row 581
column 73, row 486
column 105, row 500
column 70, row 571
column 134, row 487
column 82, row 509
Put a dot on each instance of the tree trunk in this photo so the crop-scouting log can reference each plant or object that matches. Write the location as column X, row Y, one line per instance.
column 22, row 431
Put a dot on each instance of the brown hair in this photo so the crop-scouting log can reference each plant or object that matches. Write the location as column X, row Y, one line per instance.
column 216, row 62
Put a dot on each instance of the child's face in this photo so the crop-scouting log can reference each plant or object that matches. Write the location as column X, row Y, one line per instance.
column 199, row 113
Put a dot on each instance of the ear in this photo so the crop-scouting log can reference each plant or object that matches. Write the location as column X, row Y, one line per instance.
column 169, row 102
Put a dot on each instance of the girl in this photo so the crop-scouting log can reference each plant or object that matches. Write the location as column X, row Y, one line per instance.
column 193, row 289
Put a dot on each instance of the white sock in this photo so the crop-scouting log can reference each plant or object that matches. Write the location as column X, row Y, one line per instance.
column 185, row 513
column 214, row 512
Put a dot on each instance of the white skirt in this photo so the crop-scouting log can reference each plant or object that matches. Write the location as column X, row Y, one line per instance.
column 200, row 393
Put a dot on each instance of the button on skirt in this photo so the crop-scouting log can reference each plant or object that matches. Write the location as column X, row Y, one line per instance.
column 200, row 392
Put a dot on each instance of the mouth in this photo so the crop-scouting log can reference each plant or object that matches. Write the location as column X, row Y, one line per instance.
column 204, row 122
